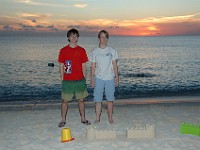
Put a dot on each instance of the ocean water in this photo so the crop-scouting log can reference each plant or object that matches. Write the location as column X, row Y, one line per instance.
column 148, row 66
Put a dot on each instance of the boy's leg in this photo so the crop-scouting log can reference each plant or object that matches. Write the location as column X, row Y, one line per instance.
column 81, row 107
column 64, row 109
column 66, row 94
column 81, row 93
column 109, row 91
column 98, row 111
column 110, row 111
column 98, row 96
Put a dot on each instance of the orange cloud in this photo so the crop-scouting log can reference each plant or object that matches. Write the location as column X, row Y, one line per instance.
column 174, row 25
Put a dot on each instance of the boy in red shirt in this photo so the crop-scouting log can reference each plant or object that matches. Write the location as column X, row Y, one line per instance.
column 72, row 66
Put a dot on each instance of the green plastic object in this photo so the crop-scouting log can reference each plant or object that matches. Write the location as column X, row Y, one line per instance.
column 187, row 128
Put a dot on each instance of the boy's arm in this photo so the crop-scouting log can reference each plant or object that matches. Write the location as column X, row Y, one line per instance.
column 115, row 68
column 92, row 69
column 84, row 67
column 61, row 70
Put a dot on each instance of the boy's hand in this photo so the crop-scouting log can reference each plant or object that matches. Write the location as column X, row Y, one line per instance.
column 116, row 82
column 92, row 83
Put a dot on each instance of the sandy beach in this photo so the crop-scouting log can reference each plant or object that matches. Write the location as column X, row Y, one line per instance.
column 34, row 126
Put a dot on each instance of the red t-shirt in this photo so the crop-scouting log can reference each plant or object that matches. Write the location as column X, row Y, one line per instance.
column 72, row 58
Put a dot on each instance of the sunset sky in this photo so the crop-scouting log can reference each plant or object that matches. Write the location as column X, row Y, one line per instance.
column 119, row 17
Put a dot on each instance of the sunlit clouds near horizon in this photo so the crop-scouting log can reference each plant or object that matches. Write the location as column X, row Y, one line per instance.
column 119, row 17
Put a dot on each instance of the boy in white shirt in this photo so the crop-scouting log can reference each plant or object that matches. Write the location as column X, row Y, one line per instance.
column 104, row 74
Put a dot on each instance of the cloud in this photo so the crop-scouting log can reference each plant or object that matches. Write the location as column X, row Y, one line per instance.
column 169, row 19
column 7, row 27
column 174, row 25
column 27, row 27
column 31, row 2
column 170, row 25
column 74, row 26
column 33, row 18
column 38, row 28
column 52, row 28
column 33, row 15
column 80, row 5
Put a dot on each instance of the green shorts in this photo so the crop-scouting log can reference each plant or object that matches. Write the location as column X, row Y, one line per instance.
column 74, row 88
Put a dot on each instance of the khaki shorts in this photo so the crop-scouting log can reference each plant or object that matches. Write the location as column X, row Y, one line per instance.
column 74, row 88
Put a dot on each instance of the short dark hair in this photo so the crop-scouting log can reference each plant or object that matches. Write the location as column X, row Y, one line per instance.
column 105, row 32
column 72, row 31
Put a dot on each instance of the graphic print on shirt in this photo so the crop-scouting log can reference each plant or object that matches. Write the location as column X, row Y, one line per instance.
column 68, row 67
column 109, row 55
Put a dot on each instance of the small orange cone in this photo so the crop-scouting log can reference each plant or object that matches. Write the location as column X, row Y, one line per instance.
column 66, row 135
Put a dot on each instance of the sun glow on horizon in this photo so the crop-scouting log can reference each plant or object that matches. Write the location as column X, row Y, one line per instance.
column 42, row 22
column 152, row 28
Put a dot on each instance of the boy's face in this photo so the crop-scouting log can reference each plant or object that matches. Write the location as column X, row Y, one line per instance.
column 73, row 38
column 103, row 39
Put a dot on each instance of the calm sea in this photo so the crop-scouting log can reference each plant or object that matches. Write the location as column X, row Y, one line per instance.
column 148, row 66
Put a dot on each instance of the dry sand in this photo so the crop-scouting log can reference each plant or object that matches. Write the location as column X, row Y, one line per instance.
column 34, row 127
